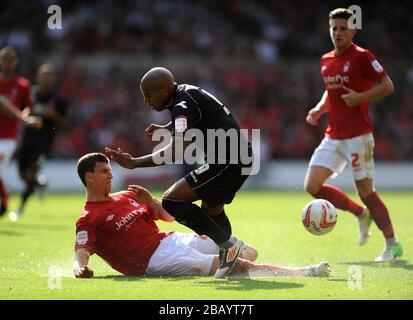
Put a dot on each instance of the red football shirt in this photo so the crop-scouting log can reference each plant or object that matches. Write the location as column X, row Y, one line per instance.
column 17, row 90
column 357, row 69
column 121, row 231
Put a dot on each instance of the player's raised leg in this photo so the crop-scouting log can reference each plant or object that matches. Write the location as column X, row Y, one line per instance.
column 314, row 185
column 381, row 217
column 178, row 200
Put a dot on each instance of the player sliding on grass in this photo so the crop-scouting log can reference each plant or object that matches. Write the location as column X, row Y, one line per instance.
column 120, row 228
column 349, row 72
column 217, row 181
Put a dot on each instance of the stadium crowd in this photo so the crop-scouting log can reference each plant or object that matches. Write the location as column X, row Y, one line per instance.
column 260, row 58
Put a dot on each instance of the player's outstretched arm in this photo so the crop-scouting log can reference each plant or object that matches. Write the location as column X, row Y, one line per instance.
column 80, row 268
column 145, row 197
column 8, row 108
column 384, row 88
column 315, row 113
column 166, row 155
column 153, row 127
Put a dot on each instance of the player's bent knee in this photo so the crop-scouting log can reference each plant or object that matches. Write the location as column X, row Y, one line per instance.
column 178, row 209
column 311, row 188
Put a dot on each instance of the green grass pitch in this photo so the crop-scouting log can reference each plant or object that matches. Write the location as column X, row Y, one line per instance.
column 44, row 237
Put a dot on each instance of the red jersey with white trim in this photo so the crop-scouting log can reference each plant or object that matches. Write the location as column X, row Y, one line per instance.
column 121, row 231
column 17, row 90
column 357, row 69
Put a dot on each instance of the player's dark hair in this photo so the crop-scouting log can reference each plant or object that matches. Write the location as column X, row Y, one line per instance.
column 340, row 13
column 88, row 162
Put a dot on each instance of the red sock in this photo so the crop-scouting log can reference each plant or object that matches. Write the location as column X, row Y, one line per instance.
column 339, row 199
column 4, row 193
column 379, row 213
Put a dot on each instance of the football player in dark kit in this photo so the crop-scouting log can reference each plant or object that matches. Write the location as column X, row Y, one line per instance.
column 217, row 181
column 37, row 143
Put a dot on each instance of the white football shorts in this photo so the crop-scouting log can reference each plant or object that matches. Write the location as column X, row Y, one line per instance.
column 181, row 254
column 7, row 147
column 336, row 154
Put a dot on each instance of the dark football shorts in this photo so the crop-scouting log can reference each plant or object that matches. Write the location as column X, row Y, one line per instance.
column 28, row 155
column 216, row 184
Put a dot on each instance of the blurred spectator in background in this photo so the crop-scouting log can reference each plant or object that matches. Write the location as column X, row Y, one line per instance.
column 15, row 104
column 36, row 143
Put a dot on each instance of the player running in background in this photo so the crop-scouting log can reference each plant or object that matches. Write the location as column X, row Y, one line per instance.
column 120, row 228
column 214, row 183
column 353, row 78
column 36, row 143
column 14, row 97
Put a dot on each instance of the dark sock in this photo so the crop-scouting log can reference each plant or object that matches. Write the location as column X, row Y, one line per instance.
column 196, row 219
column 26, row 193
column 223, row 221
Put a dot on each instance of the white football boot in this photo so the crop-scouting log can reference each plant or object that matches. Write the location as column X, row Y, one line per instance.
column 15, row 215
column 320, row 270
column 390, row 253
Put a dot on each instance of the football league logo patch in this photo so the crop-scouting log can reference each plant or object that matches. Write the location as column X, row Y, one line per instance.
column 377, row 66
column 181, row 124
column 81, row 238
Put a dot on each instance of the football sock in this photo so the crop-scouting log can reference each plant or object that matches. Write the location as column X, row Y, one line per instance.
column 391, row 241
column 380, row 214
column 196, row 219
column 4, row 198
column 223, row 221
column 27, row 192
column 339, row 199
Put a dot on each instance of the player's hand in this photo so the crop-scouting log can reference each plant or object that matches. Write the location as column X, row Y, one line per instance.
column 34, row 122
column 122, row 158
column 351, row 98
column 141, row 194
column 152, row 128
column 313, row 116
column 84, row 272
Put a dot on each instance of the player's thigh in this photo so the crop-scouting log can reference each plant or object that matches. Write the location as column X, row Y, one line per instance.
column 315, row 178
column 329, row 154
column 361, row 151
column 182, row 191
column 175, row 257
column 203, row 244
column 216, row 184
column 7, row 147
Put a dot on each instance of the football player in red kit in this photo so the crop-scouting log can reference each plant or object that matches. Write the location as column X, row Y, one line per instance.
column 353, row 78
column 120, row 228
column 14, row 97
